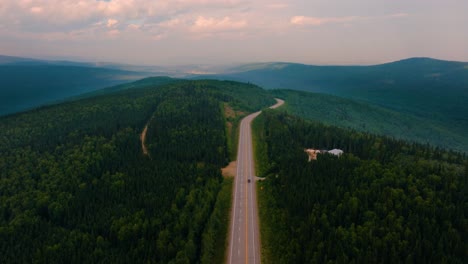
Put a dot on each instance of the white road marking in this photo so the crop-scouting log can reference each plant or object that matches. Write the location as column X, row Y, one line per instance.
column 235, row 203
column 244, row 172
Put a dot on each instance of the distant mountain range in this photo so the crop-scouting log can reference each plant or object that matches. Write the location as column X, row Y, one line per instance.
column 24, row 85
column 28, row 83
column 156, row 70
column 19, row 61
column 434, row 91
column 424, row 87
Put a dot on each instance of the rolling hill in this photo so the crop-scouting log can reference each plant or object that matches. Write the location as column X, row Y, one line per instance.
column 431, row 93
column 28, row 82
column 26, row 85
column 421, row 86
column 368, row 117
column 75, row 185
column 12, row 60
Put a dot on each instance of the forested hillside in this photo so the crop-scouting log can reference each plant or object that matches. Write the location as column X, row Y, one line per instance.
column 383, row 201
column 368, row 117
column 427, row 88
column 75, row 186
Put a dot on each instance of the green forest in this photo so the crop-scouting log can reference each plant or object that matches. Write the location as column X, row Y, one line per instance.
column 368, row 117
column 76, row 187
column 382, row 201
column 422, row 99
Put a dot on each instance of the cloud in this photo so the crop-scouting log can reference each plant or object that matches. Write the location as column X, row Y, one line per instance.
column 171, row 23
column 112, row 22
column 73, row 12
column 399, row 15
column 113, row 32
column 36, row 9
column 209, row 2
column 134, row 27
column 158, row 36
column 80, row 20
column 317, row 21
column 277, row 6
column 203, row 24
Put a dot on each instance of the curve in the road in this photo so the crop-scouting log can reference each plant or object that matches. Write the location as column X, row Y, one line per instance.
column 244, row 244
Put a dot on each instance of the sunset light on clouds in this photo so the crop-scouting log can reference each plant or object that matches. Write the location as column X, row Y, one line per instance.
column 224, row 31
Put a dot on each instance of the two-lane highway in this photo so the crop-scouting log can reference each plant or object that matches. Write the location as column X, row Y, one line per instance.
column 244, row 244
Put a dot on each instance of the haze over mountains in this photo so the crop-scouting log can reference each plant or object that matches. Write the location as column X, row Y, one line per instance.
column 28, row 83
column 433, row 91
column 401, row 85
column 428, row 92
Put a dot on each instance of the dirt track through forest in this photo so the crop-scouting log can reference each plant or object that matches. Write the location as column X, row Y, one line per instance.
column 143, row 139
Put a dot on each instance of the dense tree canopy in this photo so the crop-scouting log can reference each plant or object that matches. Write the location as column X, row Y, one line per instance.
column 371, row 118
column 76, row 187
column 383, row 201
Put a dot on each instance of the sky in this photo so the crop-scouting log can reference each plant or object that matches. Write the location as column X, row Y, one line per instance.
column 181, row 32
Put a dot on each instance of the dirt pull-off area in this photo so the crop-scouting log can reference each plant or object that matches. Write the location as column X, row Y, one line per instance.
column 230, row 113
column 230, row 170
column 143, row 138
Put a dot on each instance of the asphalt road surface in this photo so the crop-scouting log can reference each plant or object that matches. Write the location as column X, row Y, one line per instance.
column 244, row 244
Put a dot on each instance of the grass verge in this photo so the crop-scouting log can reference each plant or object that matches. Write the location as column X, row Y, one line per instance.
column 261, row 162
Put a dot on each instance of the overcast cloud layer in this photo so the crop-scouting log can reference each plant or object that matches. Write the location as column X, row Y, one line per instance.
column 234, row 31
